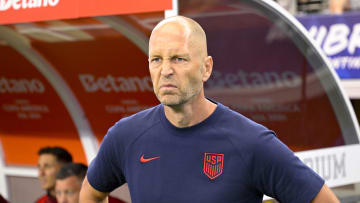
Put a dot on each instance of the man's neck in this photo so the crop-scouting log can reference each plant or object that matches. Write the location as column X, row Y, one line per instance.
column 191, row 113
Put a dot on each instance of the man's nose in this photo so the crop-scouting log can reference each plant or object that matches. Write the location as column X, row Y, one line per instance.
column 62, row 198
column 167, row 69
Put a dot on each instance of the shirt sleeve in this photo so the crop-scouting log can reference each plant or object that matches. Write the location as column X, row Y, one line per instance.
column 104, row 173
column 278, row 173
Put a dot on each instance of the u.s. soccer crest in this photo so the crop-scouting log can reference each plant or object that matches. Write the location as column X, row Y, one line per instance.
column 213, row 164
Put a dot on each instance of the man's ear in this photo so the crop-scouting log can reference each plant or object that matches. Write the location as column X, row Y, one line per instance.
column 208, row 66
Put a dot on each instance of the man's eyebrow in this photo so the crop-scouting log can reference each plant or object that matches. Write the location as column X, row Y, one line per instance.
column 154, row 55
column 180, row 55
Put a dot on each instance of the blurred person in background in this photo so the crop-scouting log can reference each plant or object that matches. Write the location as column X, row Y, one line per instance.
column 68, row 183
column 51, row 160
column 339, row 6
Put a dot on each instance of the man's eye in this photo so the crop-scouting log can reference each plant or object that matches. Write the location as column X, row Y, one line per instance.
column 70, row 193
column 179, row 59
column 155, row 60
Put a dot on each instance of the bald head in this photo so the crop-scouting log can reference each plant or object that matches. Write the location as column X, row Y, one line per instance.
column 183, row 27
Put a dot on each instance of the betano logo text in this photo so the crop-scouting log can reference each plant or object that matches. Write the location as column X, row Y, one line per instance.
column 22, row 85
column 26, row 4
column 115, row 84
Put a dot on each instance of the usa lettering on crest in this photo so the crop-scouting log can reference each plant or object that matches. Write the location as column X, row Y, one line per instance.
column 213, row 165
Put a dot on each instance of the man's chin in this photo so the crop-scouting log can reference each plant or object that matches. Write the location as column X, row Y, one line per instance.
column 170, row 102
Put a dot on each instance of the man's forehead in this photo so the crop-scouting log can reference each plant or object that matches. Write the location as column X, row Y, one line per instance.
column 168, row 48
column 172, row 33
column 71, row 180
column 47, row 158
column 170, row 30
column 162, row 46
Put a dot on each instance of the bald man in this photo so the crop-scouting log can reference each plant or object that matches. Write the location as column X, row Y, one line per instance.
column 190, row 148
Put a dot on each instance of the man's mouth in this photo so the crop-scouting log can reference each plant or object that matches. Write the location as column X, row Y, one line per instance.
column 167, row 87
